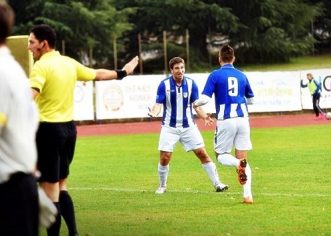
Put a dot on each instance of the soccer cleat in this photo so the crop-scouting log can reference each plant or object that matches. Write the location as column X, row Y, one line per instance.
column 248, row 200
column 221, row 188
column 160, row 190
column 242, row 177
column 321, row 116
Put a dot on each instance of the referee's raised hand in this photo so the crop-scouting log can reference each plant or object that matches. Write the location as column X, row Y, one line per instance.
column 131, row 65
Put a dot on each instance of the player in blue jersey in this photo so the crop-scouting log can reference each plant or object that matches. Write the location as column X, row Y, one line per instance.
column 232, row 92
column 176, row 95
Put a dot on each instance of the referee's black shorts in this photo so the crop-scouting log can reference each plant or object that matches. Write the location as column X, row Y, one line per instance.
column 56, row 146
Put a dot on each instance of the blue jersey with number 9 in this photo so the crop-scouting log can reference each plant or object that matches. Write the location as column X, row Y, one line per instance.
column 231, row 88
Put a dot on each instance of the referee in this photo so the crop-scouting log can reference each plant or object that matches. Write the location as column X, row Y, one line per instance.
column 52, row 80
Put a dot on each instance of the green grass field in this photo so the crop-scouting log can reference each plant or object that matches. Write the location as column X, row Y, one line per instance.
column 309, row 62
column 113, row 179
column 298, row 63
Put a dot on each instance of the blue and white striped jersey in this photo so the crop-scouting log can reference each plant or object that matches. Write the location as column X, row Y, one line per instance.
column 177, row 101
column 231, row 88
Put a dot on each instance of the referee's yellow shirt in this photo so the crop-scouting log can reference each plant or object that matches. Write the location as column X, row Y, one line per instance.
column 55, row 77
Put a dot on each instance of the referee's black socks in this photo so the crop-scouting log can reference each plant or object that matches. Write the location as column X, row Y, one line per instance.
column 68, row 212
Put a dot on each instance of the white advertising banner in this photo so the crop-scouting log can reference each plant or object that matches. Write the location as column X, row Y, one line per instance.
column 127, row 98
column 275, row 91
column 130, row 98
column 83, row 98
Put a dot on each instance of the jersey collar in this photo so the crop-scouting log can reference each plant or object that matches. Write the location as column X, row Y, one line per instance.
column 50, row 54
column 228, row 65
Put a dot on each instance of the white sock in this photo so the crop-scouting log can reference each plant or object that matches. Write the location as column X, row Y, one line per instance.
column 211, row 170
column 163, row 174
column 227, row 159
column 248, row 186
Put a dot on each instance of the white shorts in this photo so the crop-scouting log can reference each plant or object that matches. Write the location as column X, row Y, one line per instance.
column 190, row 138
column 233, row 132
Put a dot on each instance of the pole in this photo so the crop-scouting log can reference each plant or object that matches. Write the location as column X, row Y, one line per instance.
column 187, row 38
column 165, row 52
column 115, row 51
column 140, row 51
column 63, row 46
column 90, row 56
column 312, row 34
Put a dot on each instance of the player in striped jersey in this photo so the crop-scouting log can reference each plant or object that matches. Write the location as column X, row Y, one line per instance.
column 176, row 95
column 232, row 90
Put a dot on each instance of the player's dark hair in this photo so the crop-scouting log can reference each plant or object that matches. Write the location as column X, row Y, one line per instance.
column 6, row 21
column 175, row 60
column 226, row 53
column 44, row 32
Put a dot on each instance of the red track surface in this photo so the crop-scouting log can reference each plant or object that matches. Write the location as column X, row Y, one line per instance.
column 154, row 126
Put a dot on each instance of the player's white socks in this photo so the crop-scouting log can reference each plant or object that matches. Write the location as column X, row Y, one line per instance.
column 248, row 186
column 227, row 159
column 211, row 170
column 163, row 174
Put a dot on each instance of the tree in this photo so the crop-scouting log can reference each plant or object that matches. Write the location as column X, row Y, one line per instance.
column 260, row 30
column 176, row 16
column 84, row 26
column 272, row 31
column 321, row 26
column 25, row 13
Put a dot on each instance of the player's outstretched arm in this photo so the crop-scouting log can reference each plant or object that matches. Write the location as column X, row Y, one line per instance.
column 204, row 99
column 203, row 115
column 104, row 74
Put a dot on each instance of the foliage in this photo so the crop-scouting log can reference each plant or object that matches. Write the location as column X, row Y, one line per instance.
column 265, row 31
column 261, row 31
column 321, row 26
column 272, row 31
column 175, row 17
column 82, row 25
column 25, row 11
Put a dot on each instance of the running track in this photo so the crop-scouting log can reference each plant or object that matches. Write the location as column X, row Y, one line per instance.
column 153, row 126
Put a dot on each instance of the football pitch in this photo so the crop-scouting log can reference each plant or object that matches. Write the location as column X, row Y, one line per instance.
column 113, row 179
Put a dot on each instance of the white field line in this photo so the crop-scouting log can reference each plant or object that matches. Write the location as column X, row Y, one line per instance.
column 200, row 192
